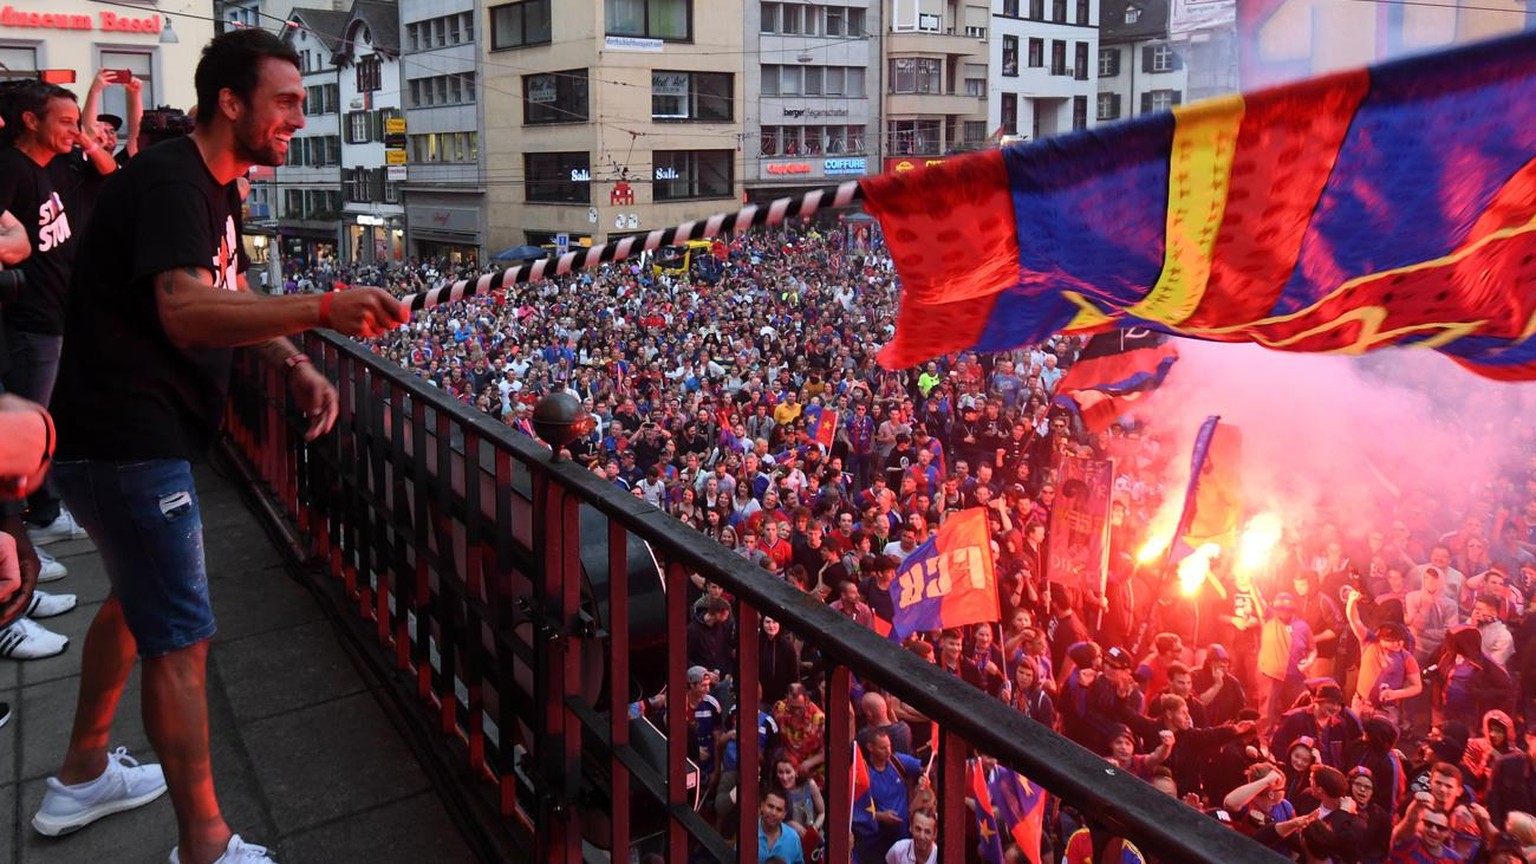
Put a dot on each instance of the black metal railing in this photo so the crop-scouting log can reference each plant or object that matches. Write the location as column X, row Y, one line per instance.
column 527, row 603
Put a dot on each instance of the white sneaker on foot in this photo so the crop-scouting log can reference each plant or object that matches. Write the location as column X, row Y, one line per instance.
column 63, row 528
column 123, row 786
column 52, row 570
column 237, row 852
column 45, row 605
column 25, row 639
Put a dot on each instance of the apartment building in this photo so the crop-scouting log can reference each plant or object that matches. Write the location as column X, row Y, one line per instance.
column 442, row 172
column 1140, row 69
column 368, row 71
column 1043, row 67
column 306, row 191
column 611, row 118
column 935, row 85
column 812, row 111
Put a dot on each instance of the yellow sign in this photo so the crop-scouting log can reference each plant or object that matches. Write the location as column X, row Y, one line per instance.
column 394, row 125
column 394, row 157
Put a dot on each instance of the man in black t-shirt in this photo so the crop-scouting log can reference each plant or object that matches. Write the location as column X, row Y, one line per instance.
column 155, row 306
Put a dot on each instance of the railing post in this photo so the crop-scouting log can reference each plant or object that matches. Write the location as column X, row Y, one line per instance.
column 748, row 759
column 679, row 748
column 839, row 821
column 618, row 688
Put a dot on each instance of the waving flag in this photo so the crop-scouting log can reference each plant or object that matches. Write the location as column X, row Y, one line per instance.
column 986, row 818
column 948, row 581
column 820, row 424
column 1116, row 850
column 1114, row 370
column 1213, row 506
column 1020, row 810
column 1332, row 215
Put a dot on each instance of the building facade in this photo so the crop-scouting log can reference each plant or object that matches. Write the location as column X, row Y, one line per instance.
column 611, row 118
column 812, row 107
column 443, row 171
column 1043, row 67
column 368, row 67
column 1140, row 69
column 934, row 79
column 306, row 192
column 159, row 43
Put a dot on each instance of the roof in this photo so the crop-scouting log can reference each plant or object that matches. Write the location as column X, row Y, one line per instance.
column 324, row 24
column 1152, row 24
column 383, row 20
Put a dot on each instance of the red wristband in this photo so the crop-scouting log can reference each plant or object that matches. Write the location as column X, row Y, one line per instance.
column 325, row 310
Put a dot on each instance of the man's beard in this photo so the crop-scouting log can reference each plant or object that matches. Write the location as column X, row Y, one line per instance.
column 256, row 154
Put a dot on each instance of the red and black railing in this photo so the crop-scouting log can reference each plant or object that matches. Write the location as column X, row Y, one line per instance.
column 526, row 604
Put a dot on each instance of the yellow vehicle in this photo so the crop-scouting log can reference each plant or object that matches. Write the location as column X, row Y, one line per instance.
column 684, row 259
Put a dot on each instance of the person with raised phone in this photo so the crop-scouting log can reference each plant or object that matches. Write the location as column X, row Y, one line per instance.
column 158, row 302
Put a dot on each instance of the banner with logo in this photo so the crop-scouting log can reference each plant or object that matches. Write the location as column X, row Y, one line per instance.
column 1077, row 550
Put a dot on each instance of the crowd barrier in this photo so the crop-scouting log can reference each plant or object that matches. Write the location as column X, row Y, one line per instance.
column 525, row 603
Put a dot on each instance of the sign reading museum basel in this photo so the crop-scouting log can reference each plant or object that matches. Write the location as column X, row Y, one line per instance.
column 107, row 22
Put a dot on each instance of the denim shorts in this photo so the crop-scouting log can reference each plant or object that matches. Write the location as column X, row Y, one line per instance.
column 144, row 519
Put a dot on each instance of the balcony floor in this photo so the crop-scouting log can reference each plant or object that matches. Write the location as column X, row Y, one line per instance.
column 306, row 760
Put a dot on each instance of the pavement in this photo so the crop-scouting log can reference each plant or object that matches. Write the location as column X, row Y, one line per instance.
column 306, row 761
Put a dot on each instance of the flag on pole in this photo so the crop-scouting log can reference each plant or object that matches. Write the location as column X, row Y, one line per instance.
column 1213, row 504
column 986, row 817
column 1020, row 810
column 820, row 424
column 949, row 580
column 1329, row 215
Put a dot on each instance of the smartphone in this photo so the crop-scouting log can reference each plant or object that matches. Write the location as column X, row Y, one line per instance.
column 57, row 76
column 122, row 76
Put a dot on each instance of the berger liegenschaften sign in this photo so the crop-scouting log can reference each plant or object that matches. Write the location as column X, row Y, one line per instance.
column 109, row 22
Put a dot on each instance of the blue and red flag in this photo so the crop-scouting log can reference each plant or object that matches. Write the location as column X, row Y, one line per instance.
column 1213, row 506
column 949, row 580
column 1114, row 369
column 1330, row 215
column 820, row 424
column 1020, row 810
column 986, row 817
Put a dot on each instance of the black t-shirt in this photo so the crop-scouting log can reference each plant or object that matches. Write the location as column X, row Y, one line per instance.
column 35, row 195
column 125, row 391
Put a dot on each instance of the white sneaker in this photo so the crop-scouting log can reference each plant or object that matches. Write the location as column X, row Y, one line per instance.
column 123, row 786
column 45, row 605
column 25, row 639
column 237, row 852
column 63, row 528
column 52, row 570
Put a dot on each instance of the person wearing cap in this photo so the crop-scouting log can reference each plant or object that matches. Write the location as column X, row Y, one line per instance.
column 1113, row 698
column 1285, row 650
column 1324, row 718
column 1389, row 673
column 1217, row 688
column 1122, row 752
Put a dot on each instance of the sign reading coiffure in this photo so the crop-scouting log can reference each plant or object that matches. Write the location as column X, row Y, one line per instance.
column 107, row 22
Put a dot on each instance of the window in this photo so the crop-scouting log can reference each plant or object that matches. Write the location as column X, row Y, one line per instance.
column 555, row 97
column 913, row 137
column 1160, row 100
column 356, row 183
column 814, row 77
column 1011, row 56
column 114, row 100
column 976, row 87
column 703, row 96
column 856, row 21
column 1080, row 61
column 1079, row 112
column 1037, row 9
column 975, row 134
column 917, row 75
column 458, row 89
column 683, row 174
column 653, row 19
column 370, row 74
column 359, row 127
column 293, row 203
column 1109, row 106
column 770, row 82
column 837, row 21
column 1109, row 62
column 1058, row 57
column 557, row 178
column 1132, row 14
column 412, row 42
column 1160, row 58
column 1059, row 10
column 1011, row 8
column 517, row 24
column 1010, row 113
column 1036, row 53
column 322, row 99
column 770, row 18
column 1082, row 12
column 790, row 22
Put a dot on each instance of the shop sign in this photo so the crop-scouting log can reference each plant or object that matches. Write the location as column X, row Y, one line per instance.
column 844, row 167
column 903, row 164
column 789, row 168
column 581, row 175
column 394, row 157
column 107, row 22
column 666, row 173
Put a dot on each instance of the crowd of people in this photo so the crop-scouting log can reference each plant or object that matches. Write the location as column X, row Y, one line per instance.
column 1362, row 698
